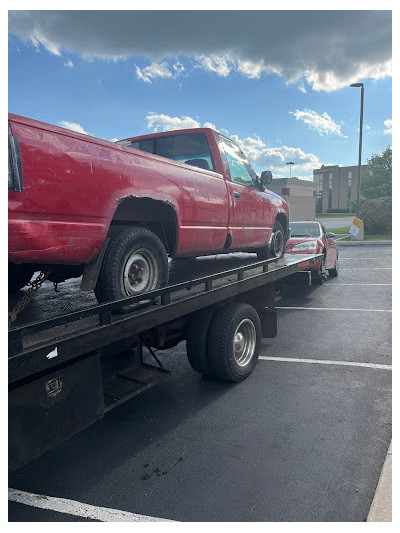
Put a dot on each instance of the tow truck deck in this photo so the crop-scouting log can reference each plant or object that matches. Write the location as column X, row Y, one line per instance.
column 66, row 372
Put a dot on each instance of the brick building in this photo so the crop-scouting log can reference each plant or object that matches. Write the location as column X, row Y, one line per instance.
column 299, row 194
column 335, row 186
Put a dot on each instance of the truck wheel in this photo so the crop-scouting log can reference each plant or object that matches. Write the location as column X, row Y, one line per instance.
column 18, row 277
column 196, row 343
column 276, row 245
column 134, row 262
column 234, row 342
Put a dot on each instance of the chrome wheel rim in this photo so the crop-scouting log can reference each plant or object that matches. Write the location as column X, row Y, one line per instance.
column 277, row 243
column 244, row 342
column 140, row 272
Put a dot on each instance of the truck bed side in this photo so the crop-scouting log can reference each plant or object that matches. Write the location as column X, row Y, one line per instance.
column 74, row 183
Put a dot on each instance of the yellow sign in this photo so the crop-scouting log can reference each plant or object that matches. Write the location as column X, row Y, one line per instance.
column 357, row 222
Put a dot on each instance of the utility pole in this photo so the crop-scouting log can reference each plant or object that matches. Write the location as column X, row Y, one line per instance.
column 359, row 144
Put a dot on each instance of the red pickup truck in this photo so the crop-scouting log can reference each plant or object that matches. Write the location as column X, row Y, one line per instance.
column 114, row 211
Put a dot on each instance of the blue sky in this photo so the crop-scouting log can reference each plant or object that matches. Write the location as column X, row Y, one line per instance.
column 287, row 103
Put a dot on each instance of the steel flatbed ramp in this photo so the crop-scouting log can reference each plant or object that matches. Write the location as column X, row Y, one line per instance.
column 68, row 337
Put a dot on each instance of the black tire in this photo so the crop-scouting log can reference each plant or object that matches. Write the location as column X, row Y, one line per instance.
column 226, row 362
column 319, row 277
column 134, row 262
column 18, row 277
column 197, row 339
column 333, row 272
column 276, row 246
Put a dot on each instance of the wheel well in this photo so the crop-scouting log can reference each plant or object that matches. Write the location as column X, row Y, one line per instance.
column 156, row 215
column 281, row 218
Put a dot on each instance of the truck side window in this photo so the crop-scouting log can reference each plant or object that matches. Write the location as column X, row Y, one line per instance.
column 147, row 145
column 240, row 169
column 192, row 149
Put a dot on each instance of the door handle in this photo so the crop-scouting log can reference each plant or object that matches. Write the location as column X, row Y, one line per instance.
column 236, row 195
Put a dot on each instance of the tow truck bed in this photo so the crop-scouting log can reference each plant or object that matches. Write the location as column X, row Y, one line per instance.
column 67, row 371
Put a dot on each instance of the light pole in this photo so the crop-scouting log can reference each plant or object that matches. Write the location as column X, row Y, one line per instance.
column 359, row 144
column 290, row 167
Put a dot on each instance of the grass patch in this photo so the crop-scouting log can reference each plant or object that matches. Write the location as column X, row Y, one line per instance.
column 377, row 237
column 371, row 238
column 318, row 216
column 344, row 229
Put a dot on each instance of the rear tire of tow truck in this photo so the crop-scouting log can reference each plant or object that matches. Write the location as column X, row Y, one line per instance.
column 197, row 340
column 134, row 262
column 276, row 245
column 234, row 342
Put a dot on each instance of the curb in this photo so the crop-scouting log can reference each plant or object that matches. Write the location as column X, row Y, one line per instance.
column 362, row 243
column 381, row 507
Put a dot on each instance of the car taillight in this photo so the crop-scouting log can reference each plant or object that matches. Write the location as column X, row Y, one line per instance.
column 14, row 163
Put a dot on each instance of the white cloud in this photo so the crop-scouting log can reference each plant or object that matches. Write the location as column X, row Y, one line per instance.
column 323, row 124
column 319, row 47
column 159, row 70
column 155, row 70
column 72, row 126
column 388, row 126
column 156, row 122
column 69, row 64
column 302, row 88
column 178, row 67
column 221, row 65
column 254, row 69
column 275, row 158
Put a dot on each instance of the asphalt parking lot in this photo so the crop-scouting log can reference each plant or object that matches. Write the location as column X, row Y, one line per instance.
column 304, row 438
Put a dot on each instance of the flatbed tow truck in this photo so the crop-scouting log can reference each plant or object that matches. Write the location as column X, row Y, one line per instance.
column 66, row 372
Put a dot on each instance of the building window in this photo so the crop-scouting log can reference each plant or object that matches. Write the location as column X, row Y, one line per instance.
column 330, row 191
column 318, row 192
column 349, row 177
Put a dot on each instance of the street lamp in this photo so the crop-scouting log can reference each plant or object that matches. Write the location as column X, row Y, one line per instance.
column 290, row 167
column 359, row 144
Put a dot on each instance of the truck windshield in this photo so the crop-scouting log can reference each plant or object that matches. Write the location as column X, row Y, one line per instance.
column 190, row 148
column 304, row 229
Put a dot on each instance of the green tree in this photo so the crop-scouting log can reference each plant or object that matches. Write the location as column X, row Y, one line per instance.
column 376, row 182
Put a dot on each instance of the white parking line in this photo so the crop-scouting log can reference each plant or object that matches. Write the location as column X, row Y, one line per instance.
column 62, row 505
column 326, row 362
column 334, row 309
column 373, row 257
column 370, row 268
column 339, row 284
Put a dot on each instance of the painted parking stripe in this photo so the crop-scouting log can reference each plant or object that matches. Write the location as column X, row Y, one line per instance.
column 369, row 258
column 334, row 309
column 71, row 507
column 326, row 362
column 362, row 268
column 339, row 284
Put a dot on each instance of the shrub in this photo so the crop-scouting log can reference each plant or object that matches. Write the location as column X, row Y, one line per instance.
column 377, row 216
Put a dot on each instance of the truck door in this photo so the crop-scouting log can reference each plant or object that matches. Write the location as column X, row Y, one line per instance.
column 251, row 217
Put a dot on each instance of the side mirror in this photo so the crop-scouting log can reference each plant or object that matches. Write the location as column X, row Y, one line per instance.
column 266, row 177
column 331, row 235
